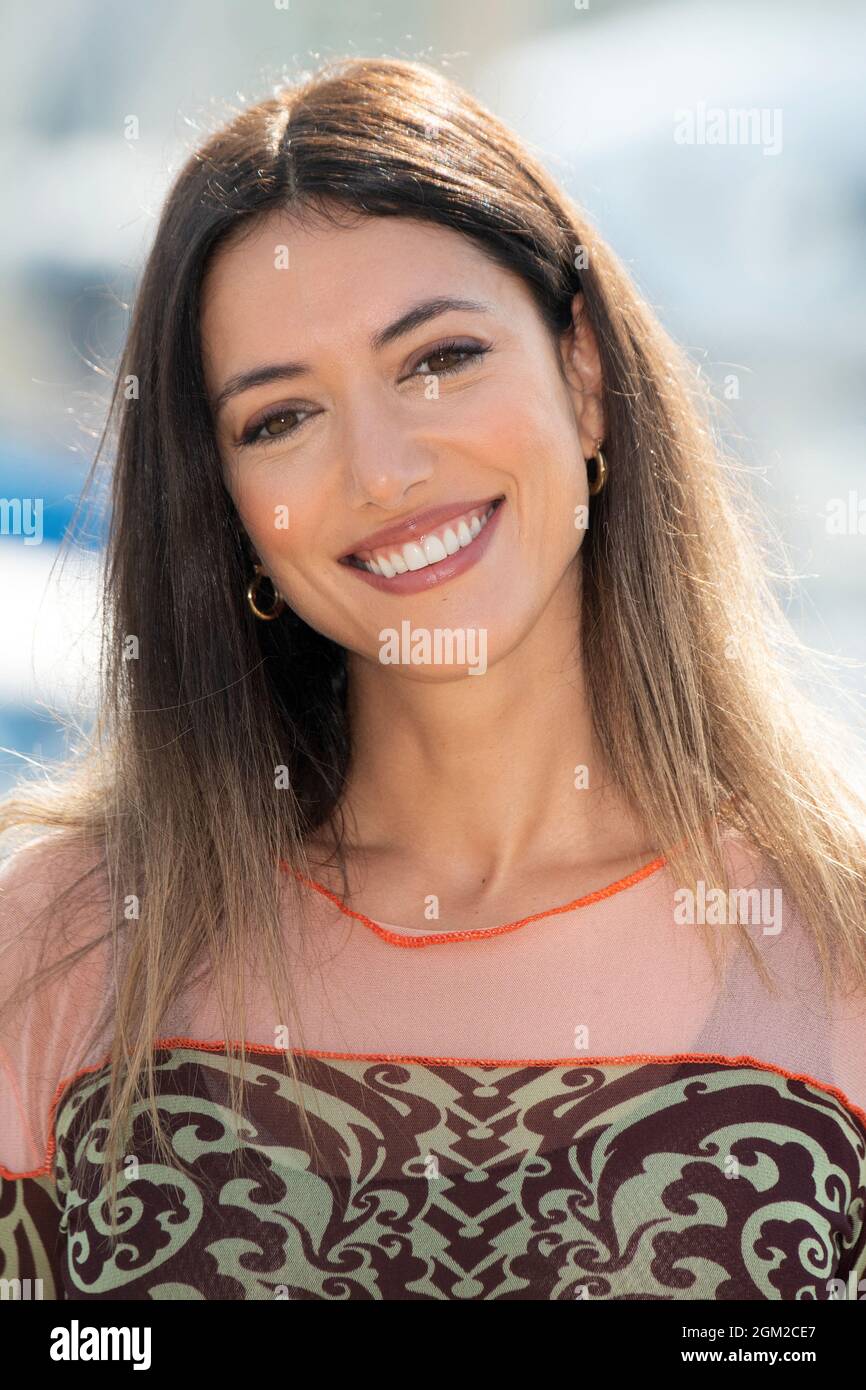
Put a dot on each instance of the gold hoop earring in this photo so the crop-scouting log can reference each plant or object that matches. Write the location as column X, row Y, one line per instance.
column 279, row 603
column 600, row 479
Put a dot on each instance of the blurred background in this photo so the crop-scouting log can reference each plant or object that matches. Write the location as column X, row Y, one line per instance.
column 718, row 146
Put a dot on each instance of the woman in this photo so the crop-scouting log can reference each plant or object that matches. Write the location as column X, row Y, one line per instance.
column 459, row 900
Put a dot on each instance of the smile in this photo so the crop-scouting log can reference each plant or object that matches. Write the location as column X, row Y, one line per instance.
column 445, row 540
column 437, row 555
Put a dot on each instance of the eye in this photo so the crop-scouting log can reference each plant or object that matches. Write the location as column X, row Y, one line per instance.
column 452, row 349
column 277, row 424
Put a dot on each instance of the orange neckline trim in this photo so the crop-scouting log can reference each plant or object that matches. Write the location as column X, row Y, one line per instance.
column 479, row 933
column 640, row 1058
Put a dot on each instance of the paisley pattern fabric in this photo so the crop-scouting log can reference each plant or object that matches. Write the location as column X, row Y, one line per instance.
column 437, row 1180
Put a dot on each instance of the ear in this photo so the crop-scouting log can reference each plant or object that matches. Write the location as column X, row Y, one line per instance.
column 582, row 366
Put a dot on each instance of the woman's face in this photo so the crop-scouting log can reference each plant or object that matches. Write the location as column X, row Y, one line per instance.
column 375, row 434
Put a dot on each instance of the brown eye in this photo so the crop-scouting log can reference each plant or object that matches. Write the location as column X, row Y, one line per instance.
column 461, row 354
column 441, row 354
column 276, row 424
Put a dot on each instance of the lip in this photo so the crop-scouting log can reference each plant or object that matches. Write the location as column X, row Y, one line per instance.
column 431, row 576
column 419, row 524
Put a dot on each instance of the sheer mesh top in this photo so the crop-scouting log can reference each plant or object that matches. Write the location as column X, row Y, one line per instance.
column 569, row 1105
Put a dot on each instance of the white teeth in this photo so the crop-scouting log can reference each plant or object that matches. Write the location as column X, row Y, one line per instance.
column 414, row 556
column 434, row 549
column 431, row 550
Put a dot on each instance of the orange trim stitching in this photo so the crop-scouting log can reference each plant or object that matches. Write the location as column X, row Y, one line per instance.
column 717, row 1058
column 436, row 938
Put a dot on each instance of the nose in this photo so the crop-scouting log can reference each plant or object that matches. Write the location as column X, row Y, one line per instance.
column 383, row 458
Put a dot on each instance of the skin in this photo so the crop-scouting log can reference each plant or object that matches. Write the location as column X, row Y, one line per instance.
column 460, row 785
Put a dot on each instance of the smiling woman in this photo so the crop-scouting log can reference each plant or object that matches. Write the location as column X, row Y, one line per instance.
column 483, row 988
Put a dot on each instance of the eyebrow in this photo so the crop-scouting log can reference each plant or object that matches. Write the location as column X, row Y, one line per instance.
column 411, row 319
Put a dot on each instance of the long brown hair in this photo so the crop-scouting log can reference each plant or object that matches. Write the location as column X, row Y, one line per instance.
column 690, row 665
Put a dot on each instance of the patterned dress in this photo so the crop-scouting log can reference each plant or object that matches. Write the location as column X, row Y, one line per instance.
column 568, row 1106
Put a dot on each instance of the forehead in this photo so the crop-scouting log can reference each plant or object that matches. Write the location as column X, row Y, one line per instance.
column 320, row 281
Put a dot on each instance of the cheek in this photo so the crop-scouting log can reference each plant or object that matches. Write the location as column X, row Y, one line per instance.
column 546, row 462
column 276, row 516
column 531, row 422
column 537, row 443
